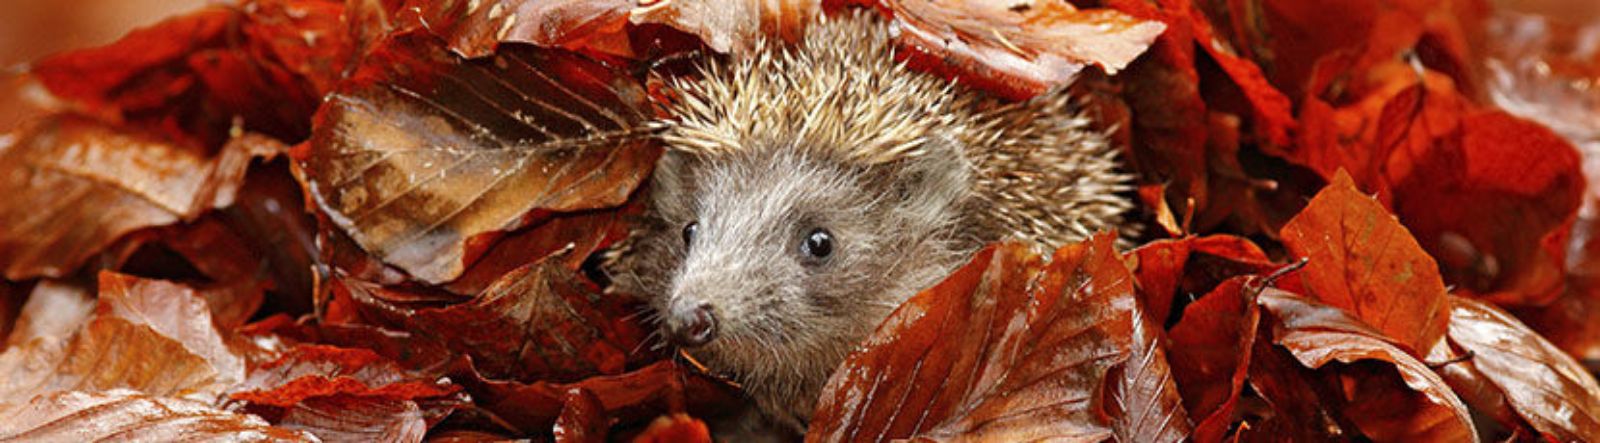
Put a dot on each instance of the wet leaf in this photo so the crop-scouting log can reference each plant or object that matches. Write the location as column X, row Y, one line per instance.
column 1377, row 385
column 1363, row 261
column 81, row 185
column 1019, row 49
column 1543, row 385
column 1143, row 399
column 1006, row 347
column 124, row 415
column 421, row 153
column 149, row 336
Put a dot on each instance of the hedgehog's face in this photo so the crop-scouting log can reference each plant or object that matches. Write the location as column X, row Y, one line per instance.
column 784, row 259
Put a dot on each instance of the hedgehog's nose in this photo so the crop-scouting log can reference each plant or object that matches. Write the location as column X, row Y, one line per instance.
column 693, row 327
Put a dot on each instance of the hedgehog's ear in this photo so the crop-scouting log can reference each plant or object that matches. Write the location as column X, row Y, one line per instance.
column 936, row 181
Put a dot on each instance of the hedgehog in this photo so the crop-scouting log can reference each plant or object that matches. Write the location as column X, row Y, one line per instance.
column 809, row 189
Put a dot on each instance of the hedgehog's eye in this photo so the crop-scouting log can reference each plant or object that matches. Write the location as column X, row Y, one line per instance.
column 818, row 244
column 688, row 233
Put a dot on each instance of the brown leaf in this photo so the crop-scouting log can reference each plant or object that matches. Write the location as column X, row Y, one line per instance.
column 311, row 371
column 1020, row 48
column 1388, row 394
column 81, row 185
column 151, row 336
column 123, row 415
column 473, row 29
column 1007, row 347
column 1192, row 265
column 1545, row 386
column 582, row 417
column 1363, row 261
column 421, row 153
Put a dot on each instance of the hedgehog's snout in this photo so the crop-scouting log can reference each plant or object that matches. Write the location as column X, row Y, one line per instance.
column 691, row 325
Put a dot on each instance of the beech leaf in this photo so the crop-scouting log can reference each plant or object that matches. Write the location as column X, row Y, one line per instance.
column 1022, row 47
column 1363, row 261
column 79, row 185
column 421, row 152
column 1008, row 347
column 1424, row 409
column 1545, row 386
column 124, row 415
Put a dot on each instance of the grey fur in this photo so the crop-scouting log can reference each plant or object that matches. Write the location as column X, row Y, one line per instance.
column 910, row 174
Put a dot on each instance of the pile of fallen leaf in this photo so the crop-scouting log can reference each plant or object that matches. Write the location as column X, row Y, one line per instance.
column 375, row 220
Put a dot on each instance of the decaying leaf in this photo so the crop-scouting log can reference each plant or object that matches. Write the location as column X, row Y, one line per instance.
column 420, row 153
column 1008, row 347
column 1362, row 260
column 731, row 26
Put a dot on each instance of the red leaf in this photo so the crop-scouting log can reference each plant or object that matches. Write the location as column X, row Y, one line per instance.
column 1006, row 346
column 1191, row 265
column 1495, row 202
column 1363, row 261
column 582, row 417
column 1211, row 351
column 349, row 418
column 192, row 75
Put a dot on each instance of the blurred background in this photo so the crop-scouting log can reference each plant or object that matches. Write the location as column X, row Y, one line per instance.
column 30, row 29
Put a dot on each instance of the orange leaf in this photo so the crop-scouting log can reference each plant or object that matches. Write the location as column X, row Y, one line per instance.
column 1363, row 261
